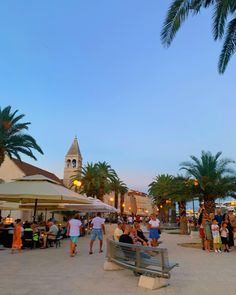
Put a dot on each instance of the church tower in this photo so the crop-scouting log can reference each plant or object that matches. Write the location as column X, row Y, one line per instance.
column 73, row 162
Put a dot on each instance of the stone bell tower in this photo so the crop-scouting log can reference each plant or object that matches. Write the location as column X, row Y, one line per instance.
column 73, row 162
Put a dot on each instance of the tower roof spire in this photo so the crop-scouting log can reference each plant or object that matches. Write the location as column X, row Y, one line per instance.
column 74, row 149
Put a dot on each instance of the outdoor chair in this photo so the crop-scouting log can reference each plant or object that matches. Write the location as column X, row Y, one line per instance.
column 27, row 239
column 55, row 240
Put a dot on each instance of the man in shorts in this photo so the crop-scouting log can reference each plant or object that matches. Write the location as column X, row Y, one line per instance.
column 98, row 229
column 73, row 230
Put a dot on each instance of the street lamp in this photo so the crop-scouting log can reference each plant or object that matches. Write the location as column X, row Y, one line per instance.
column 77, row 184
column 111, row 201
column 195, row 183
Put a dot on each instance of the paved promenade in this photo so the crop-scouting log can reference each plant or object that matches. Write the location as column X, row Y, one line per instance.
column 53, row 272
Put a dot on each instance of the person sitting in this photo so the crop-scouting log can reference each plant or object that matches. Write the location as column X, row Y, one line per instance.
column 50, row 235
column 118, row 231
column 125, row 237
column 27, row 237
column 36, row 234
column 140, row 236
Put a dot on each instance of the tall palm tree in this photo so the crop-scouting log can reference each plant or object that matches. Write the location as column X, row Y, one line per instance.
column 166, row 190
column 106, row 175
column 96, row 179
column 115, row 187
column 224, row 23
column 214, row 176
column 182, row 191
column 123, row 191
column 13, row 140
column 160, row 190
column 88, row 178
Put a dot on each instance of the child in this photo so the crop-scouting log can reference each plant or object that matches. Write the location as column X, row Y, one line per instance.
column 224, row 232
column 216, row 236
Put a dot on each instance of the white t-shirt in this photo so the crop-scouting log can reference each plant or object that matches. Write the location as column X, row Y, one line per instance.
column 97, row 222
column 154, row 223
column 224, row 232
column 130, row 219
column 215, row 230
column 75, row 225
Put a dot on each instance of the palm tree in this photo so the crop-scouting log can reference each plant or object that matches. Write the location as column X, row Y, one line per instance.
column 182, row 191
column 88, row 178
column 123, row 191
column 13, row 140
column 214, row 176
column 224, row 23
column 160, row 190
column 105, row 175
column 166, row 190
column 119, row 188
column 95, row 179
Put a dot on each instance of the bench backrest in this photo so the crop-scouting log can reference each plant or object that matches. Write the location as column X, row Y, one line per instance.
column 138, row 256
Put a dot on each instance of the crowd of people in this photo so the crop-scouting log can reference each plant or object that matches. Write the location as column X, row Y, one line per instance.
column 20, row 234
column 217, row 231
column 131, row 232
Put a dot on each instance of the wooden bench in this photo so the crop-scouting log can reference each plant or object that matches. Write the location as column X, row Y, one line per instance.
column 147, row 261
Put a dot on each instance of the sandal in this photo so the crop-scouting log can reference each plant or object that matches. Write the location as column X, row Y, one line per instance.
column 90, row 252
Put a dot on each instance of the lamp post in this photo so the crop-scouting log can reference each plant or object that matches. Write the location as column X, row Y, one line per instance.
column 77, row 184
column 194, row 218
column 111, row 200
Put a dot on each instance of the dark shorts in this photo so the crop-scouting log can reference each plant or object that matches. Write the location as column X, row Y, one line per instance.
column 224, row 241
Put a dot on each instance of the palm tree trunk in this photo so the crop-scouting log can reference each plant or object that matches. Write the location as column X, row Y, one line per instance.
column 116, row 199
column 162, row 215
column 122, row 199
column 2, row 156
column 183, row 218
column 173, row 213
column 100, row 194
column 209, row 204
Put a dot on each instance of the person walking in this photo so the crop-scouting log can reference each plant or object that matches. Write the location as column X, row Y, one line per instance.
column 74, row 228
column 17, row 241
column 98, row 229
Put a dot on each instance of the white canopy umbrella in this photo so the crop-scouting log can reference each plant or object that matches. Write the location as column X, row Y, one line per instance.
column 39, row 189
column 95, row 206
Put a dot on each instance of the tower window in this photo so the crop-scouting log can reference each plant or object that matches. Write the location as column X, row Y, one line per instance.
column 68, row 163
column 73, row 163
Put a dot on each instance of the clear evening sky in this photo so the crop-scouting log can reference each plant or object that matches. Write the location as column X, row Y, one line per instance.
column 97, row 69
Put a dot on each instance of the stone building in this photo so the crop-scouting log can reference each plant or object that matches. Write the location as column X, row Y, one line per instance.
column 73, row 163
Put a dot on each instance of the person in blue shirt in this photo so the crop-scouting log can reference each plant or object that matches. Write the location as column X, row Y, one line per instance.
column 219, row 217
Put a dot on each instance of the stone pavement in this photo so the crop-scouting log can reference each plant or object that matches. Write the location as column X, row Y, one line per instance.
column 53, row 272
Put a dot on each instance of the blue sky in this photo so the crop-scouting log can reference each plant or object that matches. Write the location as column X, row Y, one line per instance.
column 97, row 69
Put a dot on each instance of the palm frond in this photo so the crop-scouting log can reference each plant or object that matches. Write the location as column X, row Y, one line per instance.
column 176, row 15
column 221, row 11
column 229, row 46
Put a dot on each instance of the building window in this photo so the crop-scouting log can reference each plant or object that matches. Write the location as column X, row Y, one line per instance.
column 73, row 163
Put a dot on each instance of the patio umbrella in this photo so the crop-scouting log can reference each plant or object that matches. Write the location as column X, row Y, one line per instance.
column 95, row 206
column 39, row 189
